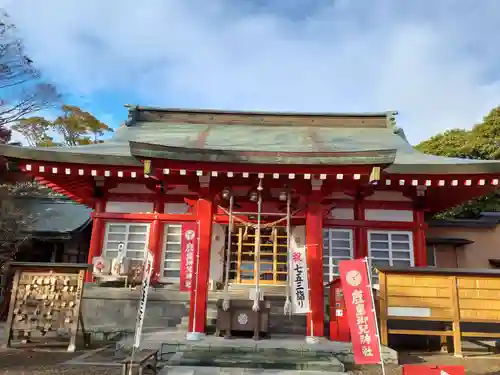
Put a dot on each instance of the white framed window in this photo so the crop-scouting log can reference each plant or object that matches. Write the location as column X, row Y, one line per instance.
column 389, row 248
column 134, row 237
column 171, row 262
column 337, row 246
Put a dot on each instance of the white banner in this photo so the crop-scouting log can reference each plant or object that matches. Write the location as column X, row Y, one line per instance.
column 148, row 270
column 300, row 285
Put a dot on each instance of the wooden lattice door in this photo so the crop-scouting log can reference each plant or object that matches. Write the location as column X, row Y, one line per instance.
column 273, row 256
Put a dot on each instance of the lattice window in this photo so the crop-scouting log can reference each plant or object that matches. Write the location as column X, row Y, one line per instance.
column 171, row 262
column 337, row 246
column 133, row 236
column 390, row 249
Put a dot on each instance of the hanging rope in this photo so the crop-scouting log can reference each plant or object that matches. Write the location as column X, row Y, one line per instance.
column 249, row 224
column 225, row 303
column 287, row 309
column 256, row 298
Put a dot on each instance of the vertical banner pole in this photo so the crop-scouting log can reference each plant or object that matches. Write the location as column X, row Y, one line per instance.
column 195, row 335
column 368, row 270
column 311, row 339
column 147, row 270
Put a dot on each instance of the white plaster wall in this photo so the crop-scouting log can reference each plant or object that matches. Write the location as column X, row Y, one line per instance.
column 176, row 208
column 342, row 213
column 389, row 215
column 217, row 252
column 395, row 196
column 129, row 207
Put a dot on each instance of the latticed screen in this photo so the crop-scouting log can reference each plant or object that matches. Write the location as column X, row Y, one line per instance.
column 133, row 236
column 337, row 246
column 389, row 249
column 273, row 256
column 171, row 265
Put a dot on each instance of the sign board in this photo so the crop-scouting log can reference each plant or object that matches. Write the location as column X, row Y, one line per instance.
column 141, row 311
column 433, row 370
column 189, row 249
column 300, row 285
column 360, row 311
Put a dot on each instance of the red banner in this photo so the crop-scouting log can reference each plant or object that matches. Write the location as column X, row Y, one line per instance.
column 360, row 311
column 189, row 248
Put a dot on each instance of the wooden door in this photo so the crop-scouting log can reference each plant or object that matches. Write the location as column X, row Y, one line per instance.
column 273, row 256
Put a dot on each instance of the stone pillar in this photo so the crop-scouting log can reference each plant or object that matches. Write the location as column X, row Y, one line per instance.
column 199, row 292
column 97, row 237
column 314, row 243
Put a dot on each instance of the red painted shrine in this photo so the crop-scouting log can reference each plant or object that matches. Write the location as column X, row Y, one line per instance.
column 343, row 185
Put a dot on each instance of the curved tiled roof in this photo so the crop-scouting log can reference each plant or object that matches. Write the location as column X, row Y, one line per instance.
column 307, row 142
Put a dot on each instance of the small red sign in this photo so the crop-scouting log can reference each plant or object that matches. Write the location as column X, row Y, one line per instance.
column 189, row 247
column 360, row 311
column 433, row 370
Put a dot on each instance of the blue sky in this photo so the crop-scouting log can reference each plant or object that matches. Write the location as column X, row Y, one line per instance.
column 436, row 62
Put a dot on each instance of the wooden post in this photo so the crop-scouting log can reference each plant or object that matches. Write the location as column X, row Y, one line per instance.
column 457, row 335
column 314, row 243
column 10, row 318
column 97, row 237
column 156, row 235
column 419, row 242
column 76, row 319
column 199, row 292
column 360, row 234
column 383, row 310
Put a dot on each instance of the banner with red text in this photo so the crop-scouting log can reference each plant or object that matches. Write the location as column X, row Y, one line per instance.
column 360, row 311
column 300, row 285
column 189, row 248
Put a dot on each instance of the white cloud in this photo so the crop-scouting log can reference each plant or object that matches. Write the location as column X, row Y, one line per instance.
column 434, row 62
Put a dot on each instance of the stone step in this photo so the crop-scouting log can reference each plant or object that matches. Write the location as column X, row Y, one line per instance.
column 268, row 360
column 202, row 370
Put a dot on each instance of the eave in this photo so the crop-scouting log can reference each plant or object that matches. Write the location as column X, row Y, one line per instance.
column 154, row 151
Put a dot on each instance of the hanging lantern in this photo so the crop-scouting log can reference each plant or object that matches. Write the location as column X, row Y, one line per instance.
column 226, row 193
column 253, row 196
column 375, row 176
column 283, row 196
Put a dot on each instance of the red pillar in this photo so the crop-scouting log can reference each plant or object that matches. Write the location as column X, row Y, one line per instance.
column 97, row 237
column 314, row 242
column 419, row 241
column 360, row 234
column 199, row 292
column 155, row 236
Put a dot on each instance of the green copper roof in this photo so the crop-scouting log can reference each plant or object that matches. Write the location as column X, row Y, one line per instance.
column 148, row 134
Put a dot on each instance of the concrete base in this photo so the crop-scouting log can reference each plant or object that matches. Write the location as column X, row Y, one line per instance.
column 195, row 336
column 312, row 340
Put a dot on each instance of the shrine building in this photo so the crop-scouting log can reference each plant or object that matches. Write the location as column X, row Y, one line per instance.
column 343, row 185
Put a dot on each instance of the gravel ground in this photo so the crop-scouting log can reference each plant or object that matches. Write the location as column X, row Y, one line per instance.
column 37, row 362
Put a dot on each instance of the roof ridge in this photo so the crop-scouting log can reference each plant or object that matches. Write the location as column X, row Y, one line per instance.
column 137, row 108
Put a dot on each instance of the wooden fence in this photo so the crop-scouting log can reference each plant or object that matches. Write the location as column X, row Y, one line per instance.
column 451, row 296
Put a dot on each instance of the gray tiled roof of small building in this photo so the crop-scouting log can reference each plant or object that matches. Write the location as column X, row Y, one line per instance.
column 54, row 215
